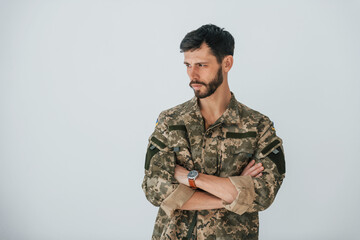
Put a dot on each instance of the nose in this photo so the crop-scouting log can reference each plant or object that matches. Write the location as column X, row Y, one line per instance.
column 192, row 73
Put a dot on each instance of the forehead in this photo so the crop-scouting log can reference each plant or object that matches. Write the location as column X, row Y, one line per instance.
column 199, row 55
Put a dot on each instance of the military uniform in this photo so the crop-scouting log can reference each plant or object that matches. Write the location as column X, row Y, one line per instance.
column 224, row 149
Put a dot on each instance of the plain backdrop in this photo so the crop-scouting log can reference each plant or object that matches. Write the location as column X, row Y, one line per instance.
column 82, row 83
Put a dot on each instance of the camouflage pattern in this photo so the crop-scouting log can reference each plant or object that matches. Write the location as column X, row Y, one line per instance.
column 224, row 149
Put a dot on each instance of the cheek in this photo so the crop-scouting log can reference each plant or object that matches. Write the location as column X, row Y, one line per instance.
column 206, row 77
column 208, row 73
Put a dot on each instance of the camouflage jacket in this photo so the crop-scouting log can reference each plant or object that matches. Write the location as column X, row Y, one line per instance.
column 224, row 149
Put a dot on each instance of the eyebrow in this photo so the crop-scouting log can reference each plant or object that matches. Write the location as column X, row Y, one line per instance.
column 196, row 63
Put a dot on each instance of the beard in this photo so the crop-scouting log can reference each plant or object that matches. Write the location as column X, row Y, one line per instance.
column 210, row 87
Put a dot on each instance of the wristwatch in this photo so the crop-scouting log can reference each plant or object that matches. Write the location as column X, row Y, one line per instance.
column 193, row 174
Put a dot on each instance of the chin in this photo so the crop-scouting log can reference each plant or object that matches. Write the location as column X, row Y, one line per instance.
column 201, row 95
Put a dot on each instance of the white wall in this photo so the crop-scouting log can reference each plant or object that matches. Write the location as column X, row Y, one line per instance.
column 82, row 83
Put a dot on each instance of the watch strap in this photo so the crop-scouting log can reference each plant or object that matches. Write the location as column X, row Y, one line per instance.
column 192, row 183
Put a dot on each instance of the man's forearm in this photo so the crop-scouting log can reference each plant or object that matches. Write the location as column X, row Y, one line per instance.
column 202, row 201
column 218, row 186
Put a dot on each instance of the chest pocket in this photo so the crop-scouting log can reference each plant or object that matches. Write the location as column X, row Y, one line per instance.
column 237, row 151
column 179, row 143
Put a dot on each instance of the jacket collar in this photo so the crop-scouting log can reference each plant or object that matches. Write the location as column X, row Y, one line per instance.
column 229, row 117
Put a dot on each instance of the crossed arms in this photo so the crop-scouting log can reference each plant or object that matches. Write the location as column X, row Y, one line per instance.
column 215, row 189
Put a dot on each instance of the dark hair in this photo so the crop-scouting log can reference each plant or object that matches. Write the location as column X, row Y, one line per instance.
column 220, row 42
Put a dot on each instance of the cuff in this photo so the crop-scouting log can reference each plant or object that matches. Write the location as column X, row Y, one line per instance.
column 176, row 199
column 246, row 194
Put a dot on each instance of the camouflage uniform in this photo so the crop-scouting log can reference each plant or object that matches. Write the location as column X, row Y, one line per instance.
column 223, row 150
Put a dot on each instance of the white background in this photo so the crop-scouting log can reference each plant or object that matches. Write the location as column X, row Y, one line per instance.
column 82, row 83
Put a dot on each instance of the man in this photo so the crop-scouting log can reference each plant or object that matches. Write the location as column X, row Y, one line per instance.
column 200, row 163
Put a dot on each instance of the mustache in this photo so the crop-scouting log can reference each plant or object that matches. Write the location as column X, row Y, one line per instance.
column 196, row 82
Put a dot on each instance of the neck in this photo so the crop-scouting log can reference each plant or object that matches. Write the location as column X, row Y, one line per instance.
column 215, row 105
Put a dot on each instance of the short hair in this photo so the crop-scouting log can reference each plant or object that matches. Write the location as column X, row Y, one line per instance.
column 220, row 42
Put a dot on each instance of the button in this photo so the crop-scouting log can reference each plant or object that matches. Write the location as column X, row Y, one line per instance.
column 275, row 151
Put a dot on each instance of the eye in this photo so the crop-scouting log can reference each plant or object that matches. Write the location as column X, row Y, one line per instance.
column 187, row 65
column 201, row 65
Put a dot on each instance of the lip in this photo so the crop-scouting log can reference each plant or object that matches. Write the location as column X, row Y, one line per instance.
column 196, row 85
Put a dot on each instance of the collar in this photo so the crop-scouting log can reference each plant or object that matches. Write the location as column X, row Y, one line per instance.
column 229, row 117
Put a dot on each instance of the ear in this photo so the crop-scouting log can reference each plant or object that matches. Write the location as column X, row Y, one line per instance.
column 227, row 63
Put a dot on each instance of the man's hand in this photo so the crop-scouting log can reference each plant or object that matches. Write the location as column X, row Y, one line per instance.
column 252, row 169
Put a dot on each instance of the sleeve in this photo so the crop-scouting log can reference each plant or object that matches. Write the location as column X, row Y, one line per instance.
column 159, row 184
column 257, row 194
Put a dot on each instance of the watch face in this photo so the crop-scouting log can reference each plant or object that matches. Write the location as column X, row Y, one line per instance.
column 193, row 174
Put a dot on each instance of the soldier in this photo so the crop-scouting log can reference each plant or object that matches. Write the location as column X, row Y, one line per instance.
column 212, row 163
